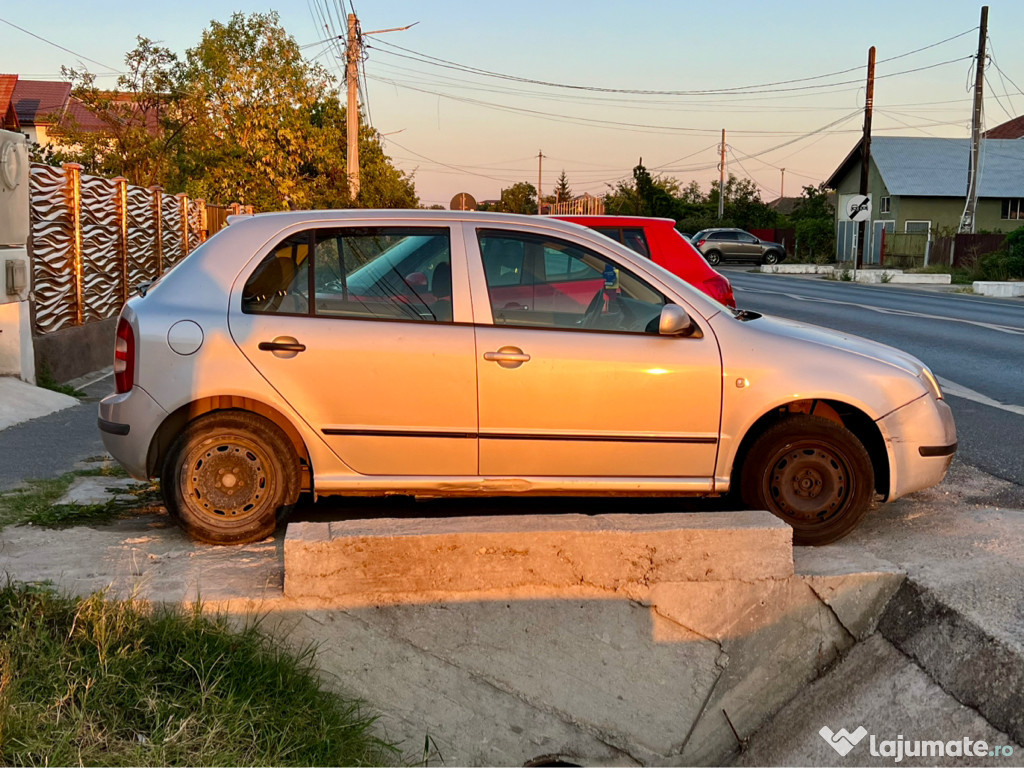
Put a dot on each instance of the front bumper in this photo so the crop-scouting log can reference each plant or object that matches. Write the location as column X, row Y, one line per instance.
column 128, row 422
column 920, row 439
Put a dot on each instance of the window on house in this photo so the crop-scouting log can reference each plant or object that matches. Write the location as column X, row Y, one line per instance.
column 918, row 226
column 885, row 205
column 1013, row 208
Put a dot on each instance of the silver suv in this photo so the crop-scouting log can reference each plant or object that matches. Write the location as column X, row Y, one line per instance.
column 443, row 353
column 729, row 244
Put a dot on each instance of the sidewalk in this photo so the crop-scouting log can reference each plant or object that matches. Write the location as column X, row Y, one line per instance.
column 44, row 433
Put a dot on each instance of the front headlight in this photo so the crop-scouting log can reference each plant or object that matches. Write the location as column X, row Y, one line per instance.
column 931, row 383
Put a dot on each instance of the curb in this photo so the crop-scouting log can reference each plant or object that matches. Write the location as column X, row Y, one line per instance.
column 979, row 670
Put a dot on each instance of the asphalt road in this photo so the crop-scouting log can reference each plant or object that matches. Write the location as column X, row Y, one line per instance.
column 974, row 345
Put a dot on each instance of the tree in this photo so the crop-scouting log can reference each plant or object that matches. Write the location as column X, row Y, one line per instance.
column 521, row 197
column 814, row 222
column 563, row 193
column 143, row 121
column 644, row 196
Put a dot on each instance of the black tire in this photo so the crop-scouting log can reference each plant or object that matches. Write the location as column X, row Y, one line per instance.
column 771, row 257
column 713, row 258
column 812, row 473
column 229, row 477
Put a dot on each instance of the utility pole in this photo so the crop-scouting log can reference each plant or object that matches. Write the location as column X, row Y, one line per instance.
column 782, row 187
column 353, row 53
column 967, row 223
column 721, row 179
column 540, row 170
column 869, row 102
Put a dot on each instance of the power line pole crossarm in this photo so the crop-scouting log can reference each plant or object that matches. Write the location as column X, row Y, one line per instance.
column 353, row 55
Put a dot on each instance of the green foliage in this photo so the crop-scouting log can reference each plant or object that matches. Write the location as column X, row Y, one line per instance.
column 521, row 197
column 106, row 682
column 816, row 240
column 563, row 192
column 45, row 380
column 244, row 118
column 1001, row 266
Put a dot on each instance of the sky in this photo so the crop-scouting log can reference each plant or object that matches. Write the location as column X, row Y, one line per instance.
column 785, row 80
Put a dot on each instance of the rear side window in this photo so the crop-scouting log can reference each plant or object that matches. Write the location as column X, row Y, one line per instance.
column 633, row 238
column 368, row 273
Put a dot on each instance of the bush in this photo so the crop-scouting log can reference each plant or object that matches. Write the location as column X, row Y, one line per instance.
column 1002, row 265
column 816, row 240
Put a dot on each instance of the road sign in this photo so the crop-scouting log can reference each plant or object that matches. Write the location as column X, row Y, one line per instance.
column 857, row 207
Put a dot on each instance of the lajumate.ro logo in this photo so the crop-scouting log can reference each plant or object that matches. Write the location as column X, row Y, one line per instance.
column 843, row 742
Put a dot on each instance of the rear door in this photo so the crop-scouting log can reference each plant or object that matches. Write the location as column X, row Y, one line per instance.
column 584, row 386
column 355, row 328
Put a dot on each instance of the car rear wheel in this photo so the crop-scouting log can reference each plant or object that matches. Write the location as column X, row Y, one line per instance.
column 812, row 473
column 772, row 257
column 229, row 476
column 713, row 257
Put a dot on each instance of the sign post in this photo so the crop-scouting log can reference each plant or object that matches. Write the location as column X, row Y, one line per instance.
column 856, row 208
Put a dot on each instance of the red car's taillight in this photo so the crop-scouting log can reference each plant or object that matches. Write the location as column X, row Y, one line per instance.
column 720, row 289
column 124, row 357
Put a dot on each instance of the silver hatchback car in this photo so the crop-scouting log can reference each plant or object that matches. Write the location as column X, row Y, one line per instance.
column 441, row 353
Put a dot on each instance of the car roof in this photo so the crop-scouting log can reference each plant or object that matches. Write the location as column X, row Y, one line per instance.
column 591, row 220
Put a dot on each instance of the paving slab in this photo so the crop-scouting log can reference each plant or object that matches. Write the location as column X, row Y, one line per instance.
column 881, row 690
column 421, row 557
column 89, row 490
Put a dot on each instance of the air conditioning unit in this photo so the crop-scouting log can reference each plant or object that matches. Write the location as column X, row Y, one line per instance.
column 14, row 223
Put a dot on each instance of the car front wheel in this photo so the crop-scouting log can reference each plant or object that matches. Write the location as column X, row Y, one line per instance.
column 812, row 473
column 228, row 476
column 713, row 257
column 772, row 257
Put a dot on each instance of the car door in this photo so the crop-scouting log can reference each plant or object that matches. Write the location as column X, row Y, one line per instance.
column 354, row 328
column 582, row 385
column 748, row 246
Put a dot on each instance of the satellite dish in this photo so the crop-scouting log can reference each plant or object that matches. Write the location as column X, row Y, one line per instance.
column 463, row 202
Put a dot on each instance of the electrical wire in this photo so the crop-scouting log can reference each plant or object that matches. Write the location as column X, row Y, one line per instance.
column 57, row 45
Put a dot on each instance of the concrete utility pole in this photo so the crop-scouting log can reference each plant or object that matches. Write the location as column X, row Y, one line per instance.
column 721, row 179
column 967, row 223
column 353, row 53
column 869, row 103
column 540, row 170
column 782, row 186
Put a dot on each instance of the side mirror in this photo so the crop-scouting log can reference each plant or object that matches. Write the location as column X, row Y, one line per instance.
column 675, row 322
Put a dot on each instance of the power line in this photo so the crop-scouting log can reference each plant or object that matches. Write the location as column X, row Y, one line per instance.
column 57, row 45
column 747, row 89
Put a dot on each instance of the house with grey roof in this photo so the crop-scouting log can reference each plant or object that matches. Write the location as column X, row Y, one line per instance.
column 919, row 184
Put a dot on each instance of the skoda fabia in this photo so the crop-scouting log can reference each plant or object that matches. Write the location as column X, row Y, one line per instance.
column 435, row 353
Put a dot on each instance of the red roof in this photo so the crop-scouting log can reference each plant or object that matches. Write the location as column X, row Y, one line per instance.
column 36, row 100
column 1011, row 129
column 8, row 117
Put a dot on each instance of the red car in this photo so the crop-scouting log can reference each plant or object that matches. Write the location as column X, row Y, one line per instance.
column 658, row 240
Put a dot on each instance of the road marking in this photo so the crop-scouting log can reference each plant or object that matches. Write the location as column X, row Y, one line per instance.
column 885, row 311
column 958, row 390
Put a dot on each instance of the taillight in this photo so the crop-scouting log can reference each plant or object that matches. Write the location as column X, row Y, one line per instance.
column 124, row 357
column 720, row 289
column 701, row 242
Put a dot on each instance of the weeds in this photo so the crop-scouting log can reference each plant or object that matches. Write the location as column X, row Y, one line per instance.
column 44, row 379
column 35, row 503
column 105, row 682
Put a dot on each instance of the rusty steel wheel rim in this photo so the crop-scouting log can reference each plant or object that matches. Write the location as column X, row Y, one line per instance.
column 227, row 478
column 808, row 482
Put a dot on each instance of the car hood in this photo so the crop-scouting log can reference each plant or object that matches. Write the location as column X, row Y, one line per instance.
column 845, row 342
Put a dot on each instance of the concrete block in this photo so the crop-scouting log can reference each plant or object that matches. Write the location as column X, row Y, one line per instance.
column 798, row 269
column 877, row 275
column 377, row 558
column 990, row 288
column 923, row 278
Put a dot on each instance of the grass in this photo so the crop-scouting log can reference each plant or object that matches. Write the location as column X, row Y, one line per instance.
column 35, row 504
column 44, row 379
column 97, row 681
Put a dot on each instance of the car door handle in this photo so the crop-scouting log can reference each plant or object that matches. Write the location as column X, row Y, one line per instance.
column 283, row 346
column 507, row 357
